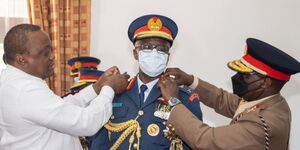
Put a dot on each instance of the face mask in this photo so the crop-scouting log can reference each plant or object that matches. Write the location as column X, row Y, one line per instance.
column 152, row 62
column 240, row 87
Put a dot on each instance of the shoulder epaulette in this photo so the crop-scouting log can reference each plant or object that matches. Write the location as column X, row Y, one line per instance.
column 131, row 83
column 190, row 92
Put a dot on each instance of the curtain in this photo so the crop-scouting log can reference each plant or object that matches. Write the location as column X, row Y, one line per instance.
column 68, row 25
column 12, row 12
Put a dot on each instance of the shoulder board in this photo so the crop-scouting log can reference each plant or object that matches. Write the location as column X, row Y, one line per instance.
column 190, row 92
column 131, row 82
column 186, row 90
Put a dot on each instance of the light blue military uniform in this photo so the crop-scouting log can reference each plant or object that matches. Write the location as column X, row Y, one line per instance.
column 127, row 106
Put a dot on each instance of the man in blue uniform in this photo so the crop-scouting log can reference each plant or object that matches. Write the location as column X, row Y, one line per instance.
column 133, row 124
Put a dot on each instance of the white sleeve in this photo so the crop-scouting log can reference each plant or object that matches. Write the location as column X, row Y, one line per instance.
column 42, row 107
column 83, row 98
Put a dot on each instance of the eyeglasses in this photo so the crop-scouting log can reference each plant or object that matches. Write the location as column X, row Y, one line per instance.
column 160, row 49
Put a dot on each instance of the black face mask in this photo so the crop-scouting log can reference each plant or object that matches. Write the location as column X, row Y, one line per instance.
column 240, row 86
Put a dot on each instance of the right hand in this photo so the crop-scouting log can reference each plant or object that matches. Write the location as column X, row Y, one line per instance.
column 112, row 77
column 118, row 82
column 181, row 77
column 169, row 88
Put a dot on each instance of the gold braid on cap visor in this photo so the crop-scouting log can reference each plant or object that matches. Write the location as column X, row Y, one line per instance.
column 239, row 66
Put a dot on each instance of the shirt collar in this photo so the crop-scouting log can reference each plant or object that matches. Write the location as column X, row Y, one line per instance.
column 246, row 105
column 21, row 72
column 149, row 85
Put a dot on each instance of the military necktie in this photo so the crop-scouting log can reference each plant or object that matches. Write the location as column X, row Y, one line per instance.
column 143, row 88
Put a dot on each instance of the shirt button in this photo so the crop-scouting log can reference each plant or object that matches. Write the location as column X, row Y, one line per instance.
column 141, row 113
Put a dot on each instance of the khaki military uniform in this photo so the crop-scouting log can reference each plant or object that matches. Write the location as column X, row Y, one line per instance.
column 265, row 124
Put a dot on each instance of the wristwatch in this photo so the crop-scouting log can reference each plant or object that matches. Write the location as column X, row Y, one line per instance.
column 173, row 101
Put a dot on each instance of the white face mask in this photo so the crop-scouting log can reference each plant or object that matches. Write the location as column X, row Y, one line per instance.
column 152, row 62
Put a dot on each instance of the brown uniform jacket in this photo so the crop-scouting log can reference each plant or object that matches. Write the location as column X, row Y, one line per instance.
column 247, row 133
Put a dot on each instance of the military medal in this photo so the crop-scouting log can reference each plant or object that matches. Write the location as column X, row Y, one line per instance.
column 162, row 111
column 153, row 129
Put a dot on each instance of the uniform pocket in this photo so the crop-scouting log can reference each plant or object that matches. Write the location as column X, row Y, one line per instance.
column 160, row 140
column 119, row 112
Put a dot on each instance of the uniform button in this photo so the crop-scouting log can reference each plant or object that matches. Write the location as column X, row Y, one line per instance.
column 112, row 117
column 141, row 113
column 173, row 129
column 164, row 123
column 135, row 146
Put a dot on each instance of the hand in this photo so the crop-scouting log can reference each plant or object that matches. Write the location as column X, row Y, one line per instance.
column 107, row 77
column 118, row 82
column 168, row 87
column 181, row 77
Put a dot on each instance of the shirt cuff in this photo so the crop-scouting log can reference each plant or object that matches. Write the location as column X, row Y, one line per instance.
column 88, row 93
column 195, row 83
column 108, row 92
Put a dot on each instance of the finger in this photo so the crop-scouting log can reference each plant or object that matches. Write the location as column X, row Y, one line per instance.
column 110, row 70
column 168, row 78
column 161, row 83
column 116, row 71
column 171, row 71
column 172, row 79
column 126, row 76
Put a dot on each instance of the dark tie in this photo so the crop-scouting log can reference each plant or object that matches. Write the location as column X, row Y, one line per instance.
column 143, row 88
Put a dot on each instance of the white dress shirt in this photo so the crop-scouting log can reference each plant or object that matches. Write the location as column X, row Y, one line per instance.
column 32, row 117
column 149, row 86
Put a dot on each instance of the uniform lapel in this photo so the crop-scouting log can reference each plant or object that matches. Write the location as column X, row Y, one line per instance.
column 154, row 94
column 133, row 94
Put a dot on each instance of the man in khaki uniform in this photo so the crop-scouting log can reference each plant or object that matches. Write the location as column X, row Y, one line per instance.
column 261, row 117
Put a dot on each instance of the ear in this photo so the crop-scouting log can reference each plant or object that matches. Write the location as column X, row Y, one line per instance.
column 20, row 59
column 136, row 54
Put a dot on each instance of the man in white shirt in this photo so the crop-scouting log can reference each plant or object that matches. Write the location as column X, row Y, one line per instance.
column 31, row 115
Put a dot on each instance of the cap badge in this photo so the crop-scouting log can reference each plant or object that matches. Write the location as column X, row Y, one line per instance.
column 154, row 24
column 77, row 64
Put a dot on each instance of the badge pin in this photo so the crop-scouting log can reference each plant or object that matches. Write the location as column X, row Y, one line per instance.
column 153, row 129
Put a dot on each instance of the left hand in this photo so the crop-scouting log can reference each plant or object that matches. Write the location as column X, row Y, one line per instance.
column 169, row 88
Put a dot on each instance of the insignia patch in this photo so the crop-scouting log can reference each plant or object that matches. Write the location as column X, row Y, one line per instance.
column 193, row 97
column 117, row 104
column 253, row 108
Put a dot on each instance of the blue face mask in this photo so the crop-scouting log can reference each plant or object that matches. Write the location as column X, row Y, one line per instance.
column 152, row 62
